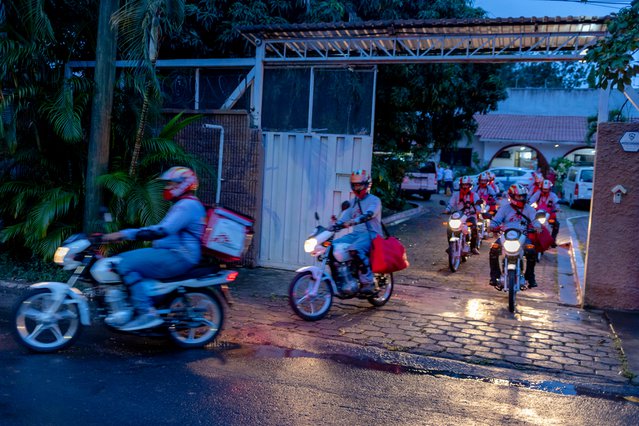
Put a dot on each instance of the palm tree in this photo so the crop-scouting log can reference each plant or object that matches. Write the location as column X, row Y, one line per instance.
column 41, row 156
column 142, row 25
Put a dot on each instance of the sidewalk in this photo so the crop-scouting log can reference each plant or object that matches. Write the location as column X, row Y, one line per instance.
column 624, row 325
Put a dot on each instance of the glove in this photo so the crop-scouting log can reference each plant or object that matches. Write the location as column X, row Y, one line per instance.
column 339, row 225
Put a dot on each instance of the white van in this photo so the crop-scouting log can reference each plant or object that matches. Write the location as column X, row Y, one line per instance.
column 577, row 186
column 421, row 181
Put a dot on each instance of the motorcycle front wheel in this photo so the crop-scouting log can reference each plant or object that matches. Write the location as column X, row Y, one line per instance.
column 512, row 277
column 41, row 327
column 385, row 284
column 306, row 306
column 454, row 255
column 196, row 318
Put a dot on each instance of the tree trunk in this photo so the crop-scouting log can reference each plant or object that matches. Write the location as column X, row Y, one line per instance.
column 98, row 152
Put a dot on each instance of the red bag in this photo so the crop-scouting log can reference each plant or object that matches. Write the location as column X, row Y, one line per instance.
column 388, row 255
column 541, row 239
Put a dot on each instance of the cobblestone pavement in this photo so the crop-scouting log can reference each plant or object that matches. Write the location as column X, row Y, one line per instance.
column 437, row 313
column 453, row 319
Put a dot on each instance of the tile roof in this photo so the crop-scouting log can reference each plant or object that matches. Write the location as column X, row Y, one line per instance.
column 531, row 128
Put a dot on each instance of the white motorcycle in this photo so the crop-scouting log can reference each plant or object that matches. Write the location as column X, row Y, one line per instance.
column 51, row 315
column 513, row 244
column 312, row 290
column 458, row 233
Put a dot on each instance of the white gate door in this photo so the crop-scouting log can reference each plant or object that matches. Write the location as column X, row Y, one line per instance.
column 304, row 174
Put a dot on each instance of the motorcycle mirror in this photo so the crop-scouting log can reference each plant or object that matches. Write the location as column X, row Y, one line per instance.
column 316, row 216
column 346, row 205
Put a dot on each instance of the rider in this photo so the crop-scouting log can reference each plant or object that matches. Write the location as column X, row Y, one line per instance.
column 365, row 215
column 466, row 200
column 535, row 186
column 484, row 190
column 175, row 248
column 492, row 184
column 517, row 214
column 548, row 201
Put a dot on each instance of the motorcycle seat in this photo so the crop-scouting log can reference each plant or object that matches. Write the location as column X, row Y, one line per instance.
column 197, row 272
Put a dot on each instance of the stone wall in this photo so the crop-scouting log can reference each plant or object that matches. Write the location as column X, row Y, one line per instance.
column 612, row 268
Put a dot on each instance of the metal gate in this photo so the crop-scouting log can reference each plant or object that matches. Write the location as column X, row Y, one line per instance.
column 304, row 174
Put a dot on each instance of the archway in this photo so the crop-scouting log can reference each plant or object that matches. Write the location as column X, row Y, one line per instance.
column 520, row 155
column 583, row 156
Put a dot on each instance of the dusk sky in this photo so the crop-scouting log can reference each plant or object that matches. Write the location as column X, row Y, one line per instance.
column 517, row 8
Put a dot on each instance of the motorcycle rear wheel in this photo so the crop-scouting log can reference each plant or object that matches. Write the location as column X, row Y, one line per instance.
column 386, row 284
column 41, row 331
column 454, row 255
column 196, row 318
column 512, row 277
column 309, row 308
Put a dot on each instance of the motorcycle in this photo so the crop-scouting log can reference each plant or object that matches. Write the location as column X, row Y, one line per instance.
column 512, row 269
column 458, row 231
column 51, row 315
column 483, row 223
column 312, row 290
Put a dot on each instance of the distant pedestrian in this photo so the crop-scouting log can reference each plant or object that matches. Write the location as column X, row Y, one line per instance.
column 448, row 181
column 440, row 177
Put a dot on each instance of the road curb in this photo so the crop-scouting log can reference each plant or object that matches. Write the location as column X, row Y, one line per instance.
column 575, row 258
column 403, row 216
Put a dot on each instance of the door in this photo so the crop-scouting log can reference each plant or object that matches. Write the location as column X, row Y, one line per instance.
column 304, row 174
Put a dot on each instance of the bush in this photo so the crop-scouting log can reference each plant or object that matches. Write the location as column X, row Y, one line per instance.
column 29, row 268
column 388, row 173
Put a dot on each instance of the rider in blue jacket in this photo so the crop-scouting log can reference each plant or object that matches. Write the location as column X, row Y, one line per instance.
column 175, row 249
column 365, row 216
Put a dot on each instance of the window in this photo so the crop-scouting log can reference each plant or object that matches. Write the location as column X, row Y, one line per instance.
column 572, row 175
column 428, row 168
column 586, row 175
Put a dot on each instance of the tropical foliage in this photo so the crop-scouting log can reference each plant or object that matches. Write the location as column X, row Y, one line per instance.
column 43, row 117
column 614, row 54
column 45, row 114
column 548, row 75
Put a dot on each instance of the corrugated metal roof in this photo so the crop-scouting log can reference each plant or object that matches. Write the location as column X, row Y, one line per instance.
column 563, row 38
column 421, row 27
column 531, row 128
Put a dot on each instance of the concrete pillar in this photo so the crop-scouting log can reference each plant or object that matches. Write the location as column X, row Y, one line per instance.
column 612, row 268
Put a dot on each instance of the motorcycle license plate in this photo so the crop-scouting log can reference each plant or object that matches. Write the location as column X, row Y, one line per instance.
column 454, row 239
column 512, row 266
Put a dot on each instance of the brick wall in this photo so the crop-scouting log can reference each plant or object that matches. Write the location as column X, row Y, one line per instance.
column 241, row 170
column 612, row 267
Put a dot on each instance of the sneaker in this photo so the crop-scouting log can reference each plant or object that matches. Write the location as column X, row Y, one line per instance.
column 532, row 284
column 367, row 288
column 148, row 320
column 494, row 282
column 475, row 250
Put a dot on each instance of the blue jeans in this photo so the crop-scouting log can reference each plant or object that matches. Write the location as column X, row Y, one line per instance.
column 361, row 243
column 139, row 267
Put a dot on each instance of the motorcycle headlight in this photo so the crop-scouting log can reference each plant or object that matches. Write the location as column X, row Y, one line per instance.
column 542, row 220
column 454, row 223
column 60, row 254
column 512, row 246
column 309, row 245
